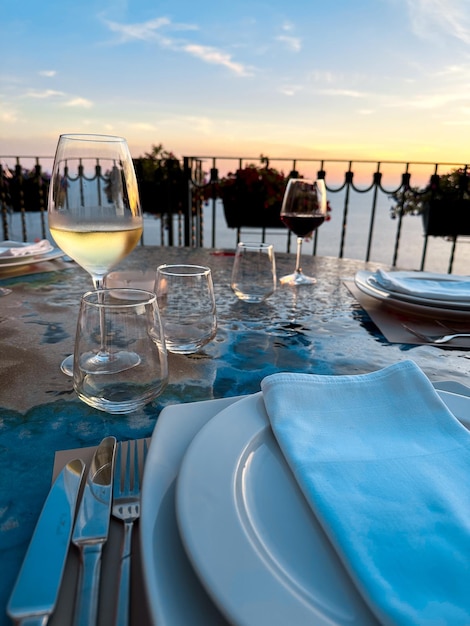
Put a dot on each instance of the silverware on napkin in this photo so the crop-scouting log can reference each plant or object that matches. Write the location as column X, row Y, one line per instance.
column 91, row 530
column 34, row 596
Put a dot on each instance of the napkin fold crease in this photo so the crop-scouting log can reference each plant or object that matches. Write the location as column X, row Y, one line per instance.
column 385, row 467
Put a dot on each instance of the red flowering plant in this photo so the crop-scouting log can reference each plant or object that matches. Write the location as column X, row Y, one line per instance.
column 252, row 195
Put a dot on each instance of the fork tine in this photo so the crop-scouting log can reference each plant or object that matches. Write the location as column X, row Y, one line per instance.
column 127, row 473
column 117, row 472
column 146, row 449
column 136, row 487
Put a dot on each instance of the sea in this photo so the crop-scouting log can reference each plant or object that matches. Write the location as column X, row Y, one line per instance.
column 438, row 253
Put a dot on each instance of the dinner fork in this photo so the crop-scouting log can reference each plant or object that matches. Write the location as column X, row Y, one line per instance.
column 437, row 339
column 126, row 508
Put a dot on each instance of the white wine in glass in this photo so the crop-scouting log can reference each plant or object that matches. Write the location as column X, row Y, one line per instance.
column 94, row 209
column 304, row 209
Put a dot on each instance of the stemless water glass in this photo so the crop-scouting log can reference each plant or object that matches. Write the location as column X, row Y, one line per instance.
column 254, row 272
column 94, row 210
column 121, row 366
column 186, row 300
column 304, row 209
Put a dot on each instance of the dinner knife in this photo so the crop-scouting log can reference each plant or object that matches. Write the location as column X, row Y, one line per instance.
column 91, row 530
column 35, row 593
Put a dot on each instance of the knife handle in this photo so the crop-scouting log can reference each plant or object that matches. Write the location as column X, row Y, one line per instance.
column 87, row 607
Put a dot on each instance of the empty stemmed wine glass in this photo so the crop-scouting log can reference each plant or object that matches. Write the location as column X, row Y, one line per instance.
column 304, row 209
column 94, row 209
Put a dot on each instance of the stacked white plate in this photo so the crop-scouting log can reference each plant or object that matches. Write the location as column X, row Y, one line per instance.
column 27, row 256
column 434, row 304
column 226, row 535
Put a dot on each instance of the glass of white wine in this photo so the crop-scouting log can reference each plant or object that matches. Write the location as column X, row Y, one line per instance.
column 94, row 209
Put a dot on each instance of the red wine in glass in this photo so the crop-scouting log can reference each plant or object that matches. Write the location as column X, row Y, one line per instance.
column 304, row 209
column 302, row 225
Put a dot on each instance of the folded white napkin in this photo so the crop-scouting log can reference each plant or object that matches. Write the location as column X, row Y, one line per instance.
column 426, row 284
column 18, row 249
column 386, row 469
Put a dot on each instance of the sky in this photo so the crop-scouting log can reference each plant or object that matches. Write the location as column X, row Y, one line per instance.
column 338, row 79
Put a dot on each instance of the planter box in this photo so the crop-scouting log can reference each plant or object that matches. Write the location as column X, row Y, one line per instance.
column 249, row 211
column 447, row 218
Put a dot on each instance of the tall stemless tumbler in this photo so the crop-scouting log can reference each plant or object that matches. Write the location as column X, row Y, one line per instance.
column 120, row 359
column 185, row 296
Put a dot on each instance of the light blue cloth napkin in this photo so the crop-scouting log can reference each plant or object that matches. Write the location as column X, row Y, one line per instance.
column 386, row 469
column 426, row 284
column 19, row 249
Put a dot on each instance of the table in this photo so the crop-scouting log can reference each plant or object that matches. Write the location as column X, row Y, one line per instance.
column 318, row 329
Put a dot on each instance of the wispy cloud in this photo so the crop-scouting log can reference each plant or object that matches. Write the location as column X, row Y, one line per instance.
column 217, row 57
column 288, row 39
column 448, row 17
column 63, row 98
column 145, row 31
column 349, row 93
column 47, row 93
column 429, row 101
column 290, row 90
column 83, row 103
column 157, row 30
column 293, row 43
column 47, row 73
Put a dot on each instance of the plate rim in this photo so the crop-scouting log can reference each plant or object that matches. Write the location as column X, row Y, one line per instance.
column 415, row 299
column 410, row 307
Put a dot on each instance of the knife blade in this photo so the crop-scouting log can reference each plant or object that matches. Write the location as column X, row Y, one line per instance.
column 91, row 530
column 36, row 589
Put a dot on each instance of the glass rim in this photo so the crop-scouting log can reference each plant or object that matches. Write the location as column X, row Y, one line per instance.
column 183, row 269
column 254, row 244
column 148, row 297
column 92, row 137
column 310, row 180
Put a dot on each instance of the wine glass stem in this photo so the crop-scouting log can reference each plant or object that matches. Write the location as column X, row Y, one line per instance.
column 298, row 269
column 98, row 283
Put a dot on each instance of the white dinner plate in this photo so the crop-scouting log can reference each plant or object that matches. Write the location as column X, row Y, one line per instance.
column 55, row 253
column 443, row 303
column 364, row 281
column 175, row 594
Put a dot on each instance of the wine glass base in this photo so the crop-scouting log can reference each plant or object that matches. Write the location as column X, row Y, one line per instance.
column 297, row 278
column 67, row 365
column 105, row 363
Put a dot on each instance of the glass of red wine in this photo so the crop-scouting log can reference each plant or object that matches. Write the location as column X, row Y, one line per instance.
column 304, row 209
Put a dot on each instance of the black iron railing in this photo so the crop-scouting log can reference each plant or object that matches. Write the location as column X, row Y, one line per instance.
column 182, row 202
